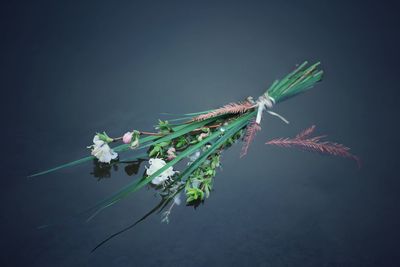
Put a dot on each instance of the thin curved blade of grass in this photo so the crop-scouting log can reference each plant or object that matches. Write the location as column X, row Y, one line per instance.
column 186, row 114
column 198, row 113
column 158, row 208
column 182, row 119
column 69, row 164
column 129, row 226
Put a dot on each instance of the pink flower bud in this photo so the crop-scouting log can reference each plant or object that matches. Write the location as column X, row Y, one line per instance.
column 171, row 153
column 127, row 138
column 202, row 136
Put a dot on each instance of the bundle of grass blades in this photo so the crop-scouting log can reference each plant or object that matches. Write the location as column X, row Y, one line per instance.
column 300, row 80
column 200, row 139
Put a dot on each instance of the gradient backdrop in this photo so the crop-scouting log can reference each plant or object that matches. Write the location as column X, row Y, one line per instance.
column 71, row 69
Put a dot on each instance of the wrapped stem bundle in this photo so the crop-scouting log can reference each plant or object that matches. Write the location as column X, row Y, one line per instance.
column 199, row 139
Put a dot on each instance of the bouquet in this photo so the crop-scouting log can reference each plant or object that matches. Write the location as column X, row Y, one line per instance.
column 198, row 139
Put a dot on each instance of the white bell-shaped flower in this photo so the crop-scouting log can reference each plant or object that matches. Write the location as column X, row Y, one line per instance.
column 102, row 151
column 155, row 165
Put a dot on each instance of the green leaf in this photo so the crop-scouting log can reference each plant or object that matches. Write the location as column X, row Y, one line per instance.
column 162, row 144
column 181, row 142
column 207, row 191
column 154, row 151
column 69, row 164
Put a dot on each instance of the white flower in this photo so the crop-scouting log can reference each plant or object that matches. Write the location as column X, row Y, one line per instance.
column 102, row 151
column 155, row 165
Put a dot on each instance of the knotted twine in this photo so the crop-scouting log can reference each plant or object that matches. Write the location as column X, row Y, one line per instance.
column 266, row 102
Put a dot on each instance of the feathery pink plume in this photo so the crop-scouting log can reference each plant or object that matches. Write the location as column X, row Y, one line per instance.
column 231, row 108
column 314, row 144
column 251, row 130
column 306, row 132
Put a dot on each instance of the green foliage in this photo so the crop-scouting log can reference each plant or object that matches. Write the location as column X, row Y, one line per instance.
column 164, row 127
column 215, row 161
column 298, row 81
column 194, row 141
column 159, row 149
column 194, row 194
column 136, row 185
column 201, row 171
column 233, row 139
column 201, row 179
column 181, row 141
column 231, row 129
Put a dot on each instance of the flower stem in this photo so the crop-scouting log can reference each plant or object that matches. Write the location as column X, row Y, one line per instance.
column 160, row 134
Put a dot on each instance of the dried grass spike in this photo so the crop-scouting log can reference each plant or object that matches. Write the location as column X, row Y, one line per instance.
column 315, row 144
column 231, row 108
column 251, row 131
column 306, row 132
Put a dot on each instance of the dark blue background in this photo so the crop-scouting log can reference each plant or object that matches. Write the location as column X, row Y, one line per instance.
column 71, row 69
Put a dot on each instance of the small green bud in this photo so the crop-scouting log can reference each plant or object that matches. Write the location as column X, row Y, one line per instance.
column 135, row 139
column 104, row 137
